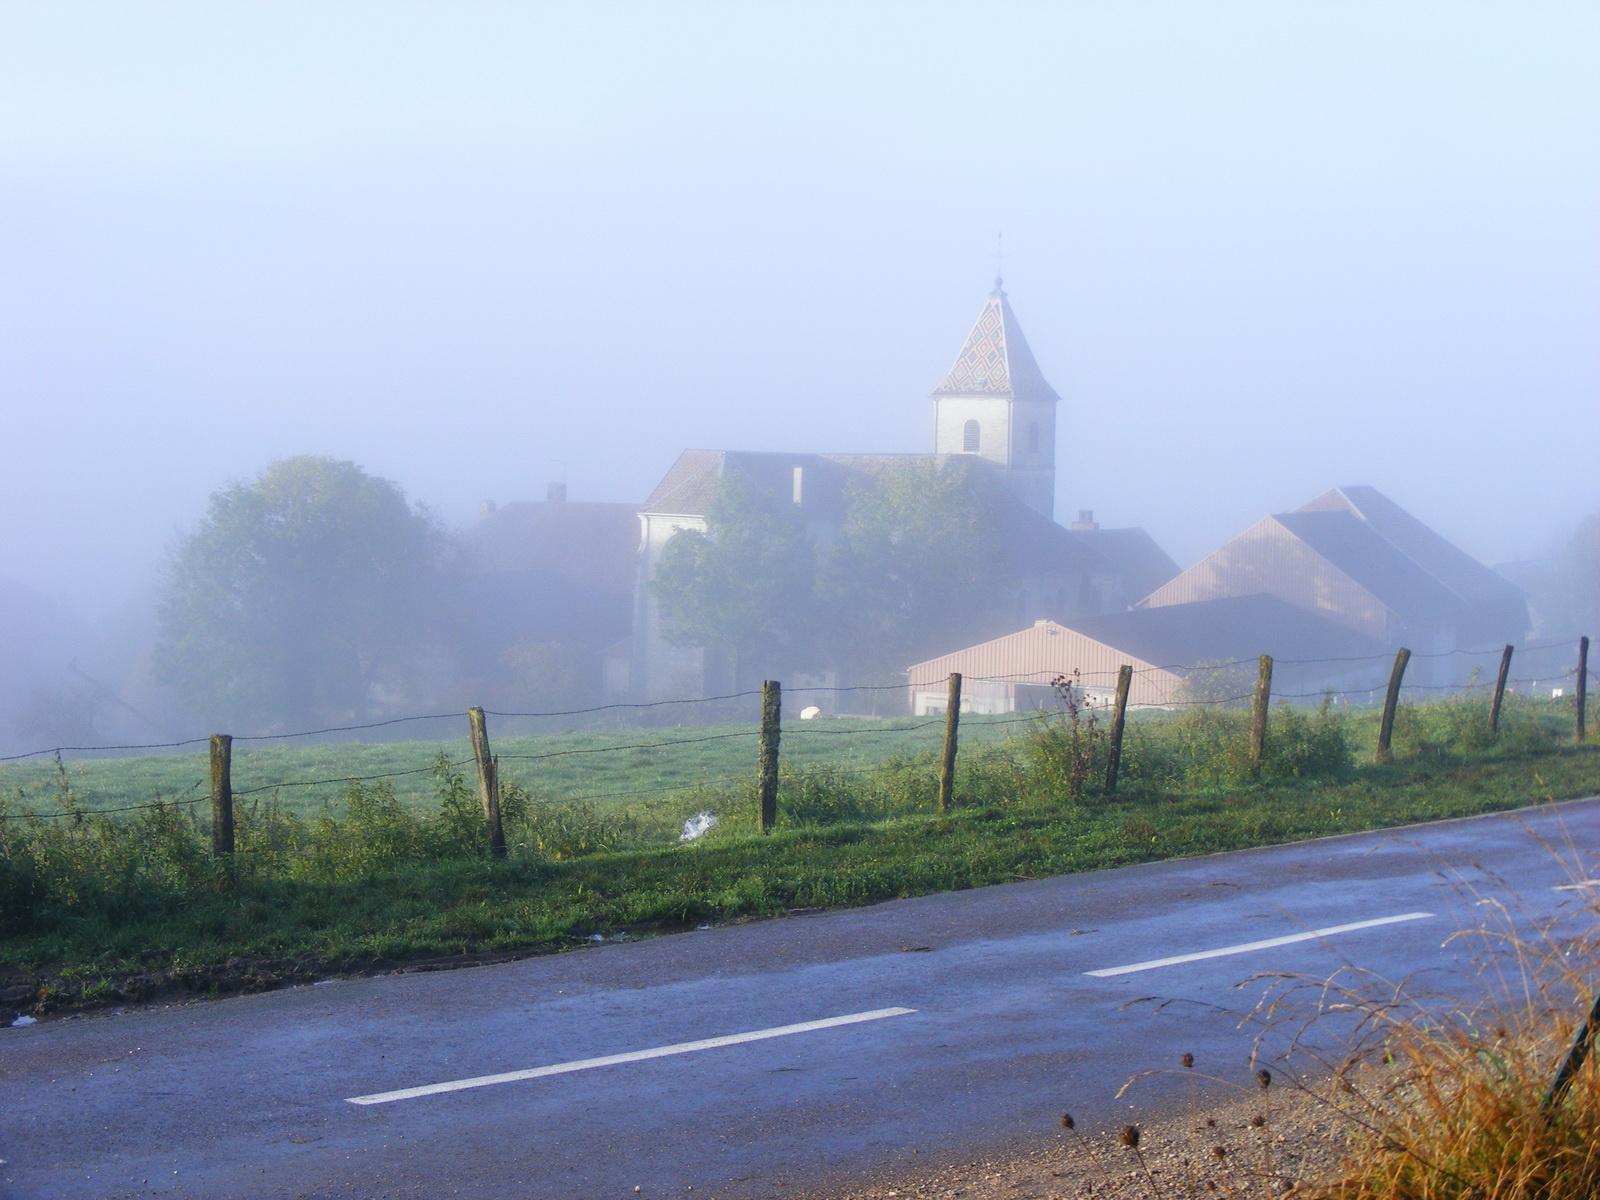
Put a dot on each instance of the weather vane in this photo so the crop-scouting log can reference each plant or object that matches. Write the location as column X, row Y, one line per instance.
column 999, row 257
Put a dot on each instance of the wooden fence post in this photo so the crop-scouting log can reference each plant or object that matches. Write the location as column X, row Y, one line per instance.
column 1258, row 715
column 1390, row 699
column 767, row 760
column 1499, row 692
column 488, row 781
column 1583, row 681
column 221, row 794
column 952, row 723
column 1118, row 716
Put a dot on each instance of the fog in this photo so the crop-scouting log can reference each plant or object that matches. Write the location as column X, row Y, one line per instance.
column 1261, row 250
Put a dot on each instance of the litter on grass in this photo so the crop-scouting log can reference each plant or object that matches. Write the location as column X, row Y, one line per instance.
column 21, row 1021
column 697, row 826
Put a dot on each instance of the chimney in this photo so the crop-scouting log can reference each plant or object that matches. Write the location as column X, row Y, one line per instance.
column 486, row 510
column 1086, row 519
column 556, row 493
column 799, row 485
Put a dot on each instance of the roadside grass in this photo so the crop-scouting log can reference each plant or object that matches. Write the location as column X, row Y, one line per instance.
column 97, row 909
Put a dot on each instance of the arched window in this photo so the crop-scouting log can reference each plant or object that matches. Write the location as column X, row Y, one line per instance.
column 969, row 437
column 1033, row 437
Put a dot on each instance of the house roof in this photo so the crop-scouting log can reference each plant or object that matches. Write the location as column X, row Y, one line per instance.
column 1161, row 644
column 1031, row 541
column 1143, row 565
column 1224, row 630
column 687, row 487
column 995, row 360
column 585, row 542
column 1036, row 655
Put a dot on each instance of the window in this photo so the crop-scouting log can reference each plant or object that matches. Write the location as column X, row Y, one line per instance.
column 969, row 438
column 1033, row 437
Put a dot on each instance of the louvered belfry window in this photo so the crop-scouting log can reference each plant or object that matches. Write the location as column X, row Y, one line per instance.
column 969, row 437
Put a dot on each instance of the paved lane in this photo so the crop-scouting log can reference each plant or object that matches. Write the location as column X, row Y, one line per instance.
column 252, row 1097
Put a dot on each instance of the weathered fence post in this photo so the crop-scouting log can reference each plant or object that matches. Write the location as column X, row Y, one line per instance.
column 952, row 723
column 1583, row 681
column 221, row 794
column 767, row 761
column 1499, row 692
column 1118, row 716
column 1390, row 699
column 488, row 780
column 1258, row 715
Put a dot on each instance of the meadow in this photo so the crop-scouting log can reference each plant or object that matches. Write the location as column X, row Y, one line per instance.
column 380, row 873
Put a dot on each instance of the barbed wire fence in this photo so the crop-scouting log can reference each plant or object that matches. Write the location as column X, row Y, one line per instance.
column 1110, row 691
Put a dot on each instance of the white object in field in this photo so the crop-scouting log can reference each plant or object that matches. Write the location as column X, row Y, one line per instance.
column 1557, row 693
column 697, row 826
column 21, row 1021
column 810, row 711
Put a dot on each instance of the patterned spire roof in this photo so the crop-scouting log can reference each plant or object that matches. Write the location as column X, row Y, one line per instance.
column 996, row 360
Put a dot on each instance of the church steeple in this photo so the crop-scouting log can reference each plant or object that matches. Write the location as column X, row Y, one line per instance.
column 996, row 360
column 996, row 404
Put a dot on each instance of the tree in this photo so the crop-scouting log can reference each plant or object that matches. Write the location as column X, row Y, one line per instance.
column 746, row 584
column 303, row 597
column 1567, row 593
column 915, row 568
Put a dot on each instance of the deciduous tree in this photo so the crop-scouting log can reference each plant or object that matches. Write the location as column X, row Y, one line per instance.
column 306, row 596
column 746, row 584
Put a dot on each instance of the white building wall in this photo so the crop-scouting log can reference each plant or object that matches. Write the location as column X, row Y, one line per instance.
column 1005, row 438
column 661, row 671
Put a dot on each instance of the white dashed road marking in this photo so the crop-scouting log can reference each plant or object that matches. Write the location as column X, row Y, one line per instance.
column 1268, row 943
column 610, row 1060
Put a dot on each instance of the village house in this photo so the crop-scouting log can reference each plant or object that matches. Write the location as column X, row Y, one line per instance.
column 993, row 410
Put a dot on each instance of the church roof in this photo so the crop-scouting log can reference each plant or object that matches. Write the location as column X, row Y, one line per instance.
column 996, row 361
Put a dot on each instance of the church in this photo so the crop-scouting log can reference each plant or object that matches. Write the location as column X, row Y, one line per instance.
column 994, row 412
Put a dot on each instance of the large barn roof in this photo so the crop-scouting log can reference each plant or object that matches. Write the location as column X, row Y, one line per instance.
column 1357, row 557
column 1456, row 570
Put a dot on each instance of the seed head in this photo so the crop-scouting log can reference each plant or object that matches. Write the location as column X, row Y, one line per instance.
column 1067, row 1122
column 1130, row 1137
column 1187, row 1060
column 1258, row 1121
column 1219, row 1152
column 1264, row 1078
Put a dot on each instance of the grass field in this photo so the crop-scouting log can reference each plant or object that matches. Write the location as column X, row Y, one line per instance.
column 96, row 909
column 612, row 764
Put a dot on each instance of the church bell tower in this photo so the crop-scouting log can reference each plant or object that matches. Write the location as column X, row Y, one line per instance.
column 995, row 404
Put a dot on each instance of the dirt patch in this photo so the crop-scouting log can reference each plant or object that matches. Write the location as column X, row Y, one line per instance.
column 1176, row 1159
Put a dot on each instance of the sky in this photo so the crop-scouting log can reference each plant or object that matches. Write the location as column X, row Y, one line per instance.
column 1261, row 249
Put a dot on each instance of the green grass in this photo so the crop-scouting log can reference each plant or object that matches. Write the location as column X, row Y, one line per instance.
column 594, row 763
column 94, row 909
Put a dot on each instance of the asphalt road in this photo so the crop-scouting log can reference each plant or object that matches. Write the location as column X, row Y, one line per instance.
column 1018, row 1010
